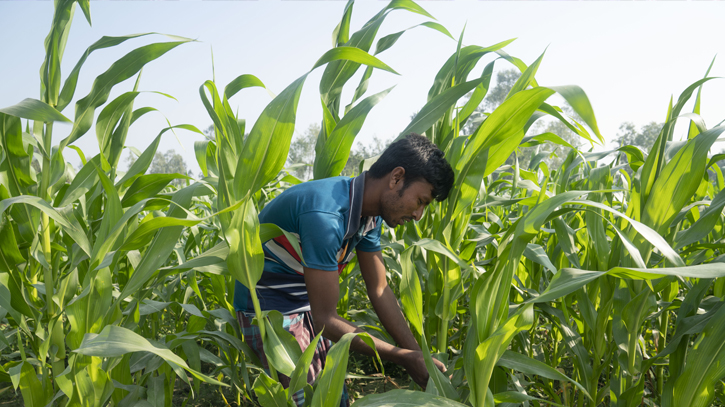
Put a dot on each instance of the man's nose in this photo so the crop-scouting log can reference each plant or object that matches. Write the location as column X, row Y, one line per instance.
column 419, row 212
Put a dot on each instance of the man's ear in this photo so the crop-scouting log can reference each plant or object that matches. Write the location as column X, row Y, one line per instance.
column 397, row 175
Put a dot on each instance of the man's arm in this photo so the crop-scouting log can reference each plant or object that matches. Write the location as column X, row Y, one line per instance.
column 323, row 293
column 372, row 268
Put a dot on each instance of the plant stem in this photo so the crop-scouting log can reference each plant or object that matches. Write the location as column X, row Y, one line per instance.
column 48, row 272
column 443, row 328
column 45, row 222
column 664, row 323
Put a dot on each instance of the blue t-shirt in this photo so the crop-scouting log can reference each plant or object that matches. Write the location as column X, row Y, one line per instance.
column 325, row 216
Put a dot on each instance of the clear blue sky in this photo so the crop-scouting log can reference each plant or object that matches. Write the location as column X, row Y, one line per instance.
column 629, row 57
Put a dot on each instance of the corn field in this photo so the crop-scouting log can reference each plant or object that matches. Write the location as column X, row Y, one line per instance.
column 598, row 282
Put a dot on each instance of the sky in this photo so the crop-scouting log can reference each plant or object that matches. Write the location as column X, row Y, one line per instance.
column 629, row 58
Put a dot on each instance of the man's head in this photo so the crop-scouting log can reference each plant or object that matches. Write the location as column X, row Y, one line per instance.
column 417, row 172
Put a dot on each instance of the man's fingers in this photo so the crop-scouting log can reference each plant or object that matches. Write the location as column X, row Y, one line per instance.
column 440, row 365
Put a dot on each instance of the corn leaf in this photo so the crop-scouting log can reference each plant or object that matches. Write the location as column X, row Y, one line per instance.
column 704, row 368
column 405, row 398
column 269, row 392
column 331, row 160
column 119, row 71
column 332, row 378
column 267, row 146
column 298, row 378
column 525, row 364
column 116, row 341
column 33, row 109
column 569, row 280
column 147, row 186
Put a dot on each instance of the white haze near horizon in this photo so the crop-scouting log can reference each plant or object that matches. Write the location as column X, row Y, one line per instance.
column 629, row 58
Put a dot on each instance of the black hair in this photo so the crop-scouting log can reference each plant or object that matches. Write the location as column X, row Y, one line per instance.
column 421, row 159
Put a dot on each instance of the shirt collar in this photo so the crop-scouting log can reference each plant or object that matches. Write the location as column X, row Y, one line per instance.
column 355, row 220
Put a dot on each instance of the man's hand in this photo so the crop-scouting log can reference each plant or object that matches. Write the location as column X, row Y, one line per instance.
column 414, row 364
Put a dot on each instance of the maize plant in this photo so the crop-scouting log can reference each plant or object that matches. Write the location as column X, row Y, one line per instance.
column 597, row 282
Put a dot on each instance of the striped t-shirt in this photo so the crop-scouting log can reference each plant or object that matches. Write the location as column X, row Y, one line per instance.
column 325, row 215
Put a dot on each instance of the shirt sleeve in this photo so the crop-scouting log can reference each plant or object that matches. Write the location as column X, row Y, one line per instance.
column 371, row 241
column 320, row 239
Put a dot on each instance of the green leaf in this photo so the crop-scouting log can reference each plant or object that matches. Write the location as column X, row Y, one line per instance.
column 341, row 33
column 527, row 77
column 332, row 378
column 490, row 350
column 242, row 82
column 579, row 101
column 694, row 128
column 7, row 297
column 328, row 126
column 10, row 255
column 33, row 391
column 269, row 392
column 144, row 160
column 200, row 151
column 678, row 181
column 531, row 141
column 331, row 160
column 112, row 211
column 162, row 245
column 298, row 378
column 33, row 109
column 407, row 5
column 84, row 180
column 491, row 145
column 437, row 107
column 17, row 159
column 645, row 232
column 656, row 160
column 438, row 247
column 352, row 54
column 143, row 234
column 69, row 87
column 536, row 253
column 441, row 384
column 516, row 397
column 280, row 347
column 704, row 225
column 124, row 68
column 703, row 370
column 411, row 296
column 116, row 341
column 389, row 40
column 569, row 280
column 476, row 97
column 466, row 59
column 529, row 366
column 112, row 125
column 267, row 145
column 212, row 259
column 55, row 44
column 70, row 225
column 405, row 398
column 86, row 311
column 246, row 258
column 147, row 186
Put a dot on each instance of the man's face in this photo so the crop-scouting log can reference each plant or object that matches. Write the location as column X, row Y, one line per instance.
column 401, row 205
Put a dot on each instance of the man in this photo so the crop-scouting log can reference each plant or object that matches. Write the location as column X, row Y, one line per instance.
column 335, row 219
